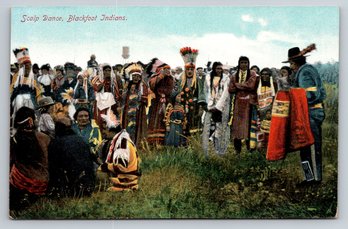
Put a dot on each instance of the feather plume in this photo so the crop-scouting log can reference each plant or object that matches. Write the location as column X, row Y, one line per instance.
column 68, row 94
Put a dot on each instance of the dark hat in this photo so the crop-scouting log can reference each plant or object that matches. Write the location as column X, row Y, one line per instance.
column 77, row 68
column 69, row 65
column 59, row 68
column 293, row 54
column 46, row 101
column 35, row 66
column 46, row 67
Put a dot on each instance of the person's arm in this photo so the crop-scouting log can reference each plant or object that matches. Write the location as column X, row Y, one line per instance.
column 232, row 85
column 311, row 82
column 249, row 85
column 224, row 97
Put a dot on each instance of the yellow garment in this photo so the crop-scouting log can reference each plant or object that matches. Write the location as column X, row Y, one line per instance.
column 125, row 177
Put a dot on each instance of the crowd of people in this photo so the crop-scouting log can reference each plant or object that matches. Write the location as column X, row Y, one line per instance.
column 69, row 124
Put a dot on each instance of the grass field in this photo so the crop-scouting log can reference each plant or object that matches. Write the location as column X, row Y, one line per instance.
column 180, row 183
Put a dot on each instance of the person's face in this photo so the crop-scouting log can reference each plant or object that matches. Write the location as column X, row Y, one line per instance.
column 80, row 79
column 59, row 73
column 200, row 71
column 44, row 72
column 255, row 69
column 219, row 70
column 82, row 118
column 178, row 71
column 118, row 68
column 284, row 73
column 70, row 73
column 265, row 76
column 107, row 72
column 35, row 70
column 294, row 67
column 190, row 72
column 136, row 78
column 243, row 65
column 27, row 68
column 166, row 71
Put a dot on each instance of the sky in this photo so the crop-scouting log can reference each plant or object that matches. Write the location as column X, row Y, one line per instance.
column 264, row 34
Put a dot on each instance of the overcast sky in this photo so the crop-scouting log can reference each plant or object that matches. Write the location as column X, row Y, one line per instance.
column 264, row 34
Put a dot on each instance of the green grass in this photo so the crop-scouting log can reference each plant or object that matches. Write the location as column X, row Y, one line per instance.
column 180, row 183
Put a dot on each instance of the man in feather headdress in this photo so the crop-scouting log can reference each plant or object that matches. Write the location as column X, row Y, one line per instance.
column 134, row 101
column 192, row 95
column 307, row 77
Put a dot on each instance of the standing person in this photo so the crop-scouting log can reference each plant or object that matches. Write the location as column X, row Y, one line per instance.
column 256, row 69
column 175, row 120
column 24, row 88
column 216, row 84
column 284, row 81
column 134, row 103
column 200, row 73
column 265, row 95
column 28, row 160
column 307, row 77
column 83, row 92
column 161, row 84
column 92, row 63
column 107, row 93
column 66, row 91
column 193, row 93
column 36, row 71
column 177, row 73
column 243, row 87
column 58, row 81
column 45, row 79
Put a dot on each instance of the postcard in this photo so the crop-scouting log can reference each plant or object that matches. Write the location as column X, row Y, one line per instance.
column 135, row 112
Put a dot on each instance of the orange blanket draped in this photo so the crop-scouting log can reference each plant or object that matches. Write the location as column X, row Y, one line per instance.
column 290, row 128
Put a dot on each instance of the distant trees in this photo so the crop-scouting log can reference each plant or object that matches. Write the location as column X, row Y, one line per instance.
column 329, row 72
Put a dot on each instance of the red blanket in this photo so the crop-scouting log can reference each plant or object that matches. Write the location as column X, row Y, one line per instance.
column 301, row 134
column 278, row 134
column 290, row 129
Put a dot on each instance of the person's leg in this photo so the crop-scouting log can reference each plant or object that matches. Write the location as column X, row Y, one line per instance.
column 206, row 132
column 316, row 119
column 237, row 145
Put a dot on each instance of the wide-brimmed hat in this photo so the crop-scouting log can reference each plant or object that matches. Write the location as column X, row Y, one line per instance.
column 295, row 53
column 46, row 101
